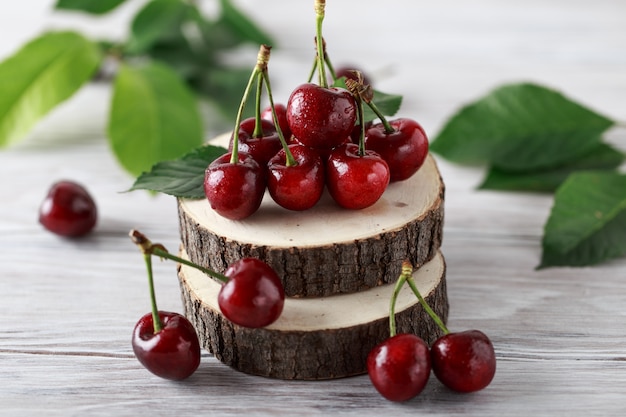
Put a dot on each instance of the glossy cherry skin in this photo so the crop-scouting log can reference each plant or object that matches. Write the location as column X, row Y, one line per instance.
column 281, row 115
column 321, row 117
column 297, row 187
column 173, row 352
column 263, row 147
column 355, row 181
column 399, row 367
column 235, row 191
column 253, row 296
column 464, row 361
column 68, row 210
column 405, row 149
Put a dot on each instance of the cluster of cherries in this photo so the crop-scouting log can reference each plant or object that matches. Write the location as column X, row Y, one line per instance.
column 400, row 366
column 318, row 140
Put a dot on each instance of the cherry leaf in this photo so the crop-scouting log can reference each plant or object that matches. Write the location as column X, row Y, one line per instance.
column 154, row 117
column 42, row 74
column 241, row 25
column 520, row 127
column 96, row 7
column 602, row 157
column 157, row 19
column 182, row 177
column 587, row 223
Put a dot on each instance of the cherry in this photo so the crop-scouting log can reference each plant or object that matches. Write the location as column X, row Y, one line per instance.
column 165, row 343
column 173, row 352
column 402, row 144
column 321, row 117
column 298, row 186
column 351, row 73
column 399, row 367
column 464, row 361
column 281, row 114
column 253, row 296
column 260, row 142
column 68, row 210
column 234, row 187
column 355, row 180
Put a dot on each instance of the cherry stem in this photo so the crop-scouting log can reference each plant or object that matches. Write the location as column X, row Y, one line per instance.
column 431, row 313
column 359, row 110
column 289, row 159
column 258, row 127
column 156, row 320
column 320, row 6
column 261, row 65
column 394, row 297
column 388, row 128
column 148, row 248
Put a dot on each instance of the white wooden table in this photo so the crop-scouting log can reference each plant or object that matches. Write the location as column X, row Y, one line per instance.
column 67, row 308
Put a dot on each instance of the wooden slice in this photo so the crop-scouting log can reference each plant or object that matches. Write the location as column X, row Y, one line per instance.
column 325, row 250
column 315, row 338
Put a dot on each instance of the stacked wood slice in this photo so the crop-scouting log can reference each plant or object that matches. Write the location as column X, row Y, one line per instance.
column 338, row 268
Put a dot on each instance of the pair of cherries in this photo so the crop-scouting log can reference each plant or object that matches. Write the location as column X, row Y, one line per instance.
column 400, row 366
column 320, row 122
column 166, row 343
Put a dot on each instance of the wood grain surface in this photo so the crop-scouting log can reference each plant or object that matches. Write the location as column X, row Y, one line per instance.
column 67, row 308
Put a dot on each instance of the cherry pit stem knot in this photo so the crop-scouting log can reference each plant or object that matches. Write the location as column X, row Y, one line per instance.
column 406, row 276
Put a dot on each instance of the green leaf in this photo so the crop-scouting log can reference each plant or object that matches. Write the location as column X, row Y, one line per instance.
column 602, row 157
column 45, row 72
column 242, row 26
column 387, row 104
column 587, row 224
column 89, row 6
column 183, row 177
column 157, row 19
column 154, row 117
column 520, row 127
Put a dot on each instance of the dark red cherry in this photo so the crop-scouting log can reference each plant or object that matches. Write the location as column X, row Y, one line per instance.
column 261, row 147
column 399, row 367
column 356, row 181
column 173, row 352
column 321, row 117
column 464, row 361
column 404, row 149
column 235, row 190
column 281, row 115
column 349, row 72
column 68, row 210
column 297, row 187
column 253, row 296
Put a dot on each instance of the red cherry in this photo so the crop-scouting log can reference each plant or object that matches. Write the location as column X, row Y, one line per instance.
column 297, row 187
column 263, row 147
column 173, row 352
column 399, row 367
column 234, row 190
column 321, row 117
column 464, row 361
column 281, row 115
column 253, row 296
column 355, row 181
column 404, row 149
column 68, row 210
